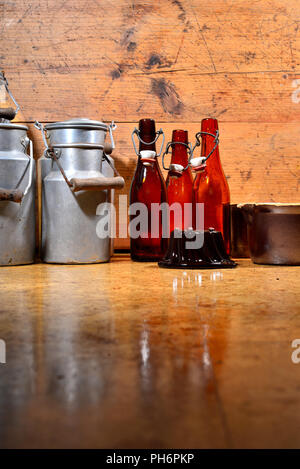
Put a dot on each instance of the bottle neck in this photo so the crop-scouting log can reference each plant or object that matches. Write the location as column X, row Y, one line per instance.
column 208, row 144
column 147, row 138
column 147, row 134
column 144, row 146
column 179, row 154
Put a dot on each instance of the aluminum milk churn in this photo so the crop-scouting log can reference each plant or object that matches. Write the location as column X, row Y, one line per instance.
column 78, row 185
column 17, row 185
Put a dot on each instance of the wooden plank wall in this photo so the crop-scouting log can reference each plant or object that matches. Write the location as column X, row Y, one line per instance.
column 174, row 60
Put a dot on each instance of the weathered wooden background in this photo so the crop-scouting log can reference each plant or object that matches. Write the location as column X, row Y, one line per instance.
column 176, row 61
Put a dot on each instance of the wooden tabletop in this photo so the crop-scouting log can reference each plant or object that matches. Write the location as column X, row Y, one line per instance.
column 125, row 355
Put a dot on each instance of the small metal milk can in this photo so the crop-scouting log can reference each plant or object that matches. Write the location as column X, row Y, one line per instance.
column 78, row 182
column 17, row 185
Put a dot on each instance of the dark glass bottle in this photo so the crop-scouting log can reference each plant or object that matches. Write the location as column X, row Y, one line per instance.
column 180, row 184
column 148, row 187
column 211, row 187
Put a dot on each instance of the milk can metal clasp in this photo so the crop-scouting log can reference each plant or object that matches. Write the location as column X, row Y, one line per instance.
column 77, row 184
column 16, row 195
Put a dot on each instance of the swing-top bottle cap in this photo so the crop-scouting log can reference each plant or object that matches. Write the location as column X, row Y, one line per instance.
column 147, row 156
column 175, row 170
column 198, row 164
column 176, row 167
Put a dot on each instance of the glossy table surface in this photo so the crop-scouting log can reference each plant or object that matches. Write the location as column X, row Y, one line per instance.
column 125, row 355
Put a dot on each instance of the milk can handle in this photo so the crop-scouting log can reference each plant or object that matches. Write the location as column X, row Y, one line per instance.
column 16, row 195
column 88, row 184
column 97, row 184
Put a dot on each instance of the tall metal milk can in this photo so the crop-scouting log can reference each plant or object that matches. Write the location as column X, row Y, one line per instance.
column 17, row 186
column 78, row 184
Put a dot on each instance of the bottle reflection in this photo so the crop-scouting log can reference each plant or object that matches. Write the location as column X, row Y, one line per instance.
column 184, row 344
column 145, row 357
column 192, row 278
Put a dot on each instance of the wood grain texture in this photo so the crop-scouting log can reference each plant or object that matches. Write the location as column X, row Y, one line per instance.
column 257, row 97
column 176, row 61
column 201, row 360
column 261, row 162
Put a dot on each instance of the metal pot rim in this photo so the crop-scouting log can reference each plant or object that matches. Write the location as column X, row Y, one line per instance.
column 279, row 208
column 269, row 204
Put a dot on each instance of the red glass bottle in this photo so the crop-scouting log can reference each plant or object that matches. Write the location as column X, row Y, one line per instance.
column 211, row 187
column 148, row 187
column 180, row 184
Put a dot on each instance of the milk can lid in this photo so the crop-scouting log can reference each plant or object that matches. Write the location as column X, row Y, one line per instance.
column 78, row 123
column 12, row 125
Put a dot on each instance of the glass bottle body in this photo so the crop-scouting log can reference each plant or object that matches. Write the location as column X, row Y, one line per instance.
column 180, row 189
column 148, row 187
column 211, row 187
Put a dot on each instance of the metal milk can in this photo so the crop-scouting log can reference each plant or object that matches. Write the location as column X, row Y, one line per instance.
column 17, row 186
column 78, row 184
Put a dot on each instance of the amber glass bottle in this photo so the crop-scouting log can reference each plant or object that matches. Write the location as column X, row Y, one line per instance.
column 148, row 187
column 211, row 187
column 180, row 184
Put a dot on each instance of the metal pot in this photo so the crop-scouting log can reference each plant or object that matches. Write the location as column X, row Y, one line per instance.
column 77, row 184
column 17, row 186
column 238, row 231
column 273, row 233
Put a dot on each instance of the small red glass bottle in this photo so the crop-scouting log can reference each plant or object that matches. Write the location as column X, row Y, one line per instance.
column 148, row 187
column 180, row 183
column 210, row 185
